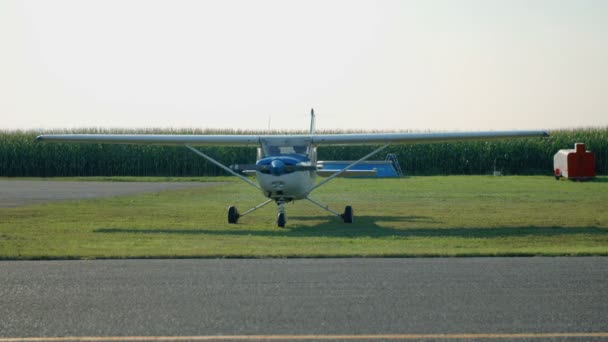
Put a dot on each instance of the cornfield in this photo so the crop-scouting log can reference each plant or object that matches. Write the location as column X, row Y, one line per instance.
column 22, row 156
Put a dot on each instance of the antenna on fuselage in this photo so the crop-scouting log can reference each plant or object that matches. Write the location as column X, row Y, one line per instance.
column 312, row 121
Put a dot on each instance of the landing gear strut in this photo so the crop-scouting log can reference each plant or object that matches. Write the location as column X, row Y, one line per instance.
column 234, row 215
column 347, row 216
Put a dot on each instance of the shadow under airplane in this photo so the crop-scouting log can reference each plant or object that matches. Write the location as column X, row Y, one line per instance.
column 368, row 226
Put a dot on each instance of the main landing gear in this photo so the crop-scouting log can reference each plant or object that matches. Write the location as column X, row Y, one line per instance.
column 348, row 214
column 233, row 214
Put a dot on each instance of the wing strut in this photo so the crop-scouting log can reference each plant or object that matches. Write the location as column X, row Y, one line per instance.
column 353, row 164
column 245, row 179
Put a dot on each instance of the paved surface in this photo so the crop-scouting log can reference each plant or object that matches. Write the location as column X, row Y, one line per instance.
column 15, row 193
column 305, row 297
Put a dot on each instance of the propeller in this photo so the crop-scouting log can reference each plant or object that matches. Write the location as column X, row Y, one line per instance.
column 276, row 167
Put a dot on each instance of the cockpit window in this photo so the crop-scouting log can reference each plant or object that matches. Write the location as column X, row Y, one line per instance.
column 300, row 149
column 272, row 150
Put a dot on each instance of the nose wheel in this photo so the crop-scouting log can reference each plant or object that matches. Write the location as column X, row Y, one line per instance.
column 281, row 218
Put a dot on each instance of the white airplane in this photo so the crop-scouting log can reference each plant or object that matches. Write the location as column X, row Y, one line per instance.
column 286, row 166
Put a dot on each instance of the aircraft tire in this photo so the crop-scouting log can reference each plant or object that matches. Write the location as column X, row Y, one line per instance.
column 281, row 221
column 348, row 215
column 233, row 215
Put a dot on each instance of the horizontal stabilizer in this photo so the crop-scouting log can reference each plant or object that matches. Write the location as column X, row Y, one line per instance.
column 249, row 168
column 348, row 173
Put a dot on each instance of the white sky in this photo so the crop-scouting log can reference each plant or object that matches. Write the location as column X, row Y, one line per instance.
column 437, row 65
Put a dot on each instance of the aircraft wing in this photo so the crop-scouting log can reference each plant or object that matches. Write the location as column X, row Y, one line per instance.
column 319, row 139
column 415, row 138
column 153, row 139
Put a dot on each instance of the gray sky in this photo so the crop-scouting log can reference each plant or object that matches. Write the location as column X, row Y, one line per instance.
column 436, row 65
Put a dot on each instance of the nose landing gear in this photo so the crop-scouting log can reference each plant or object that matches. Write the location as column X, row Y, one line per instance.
column 281, row 219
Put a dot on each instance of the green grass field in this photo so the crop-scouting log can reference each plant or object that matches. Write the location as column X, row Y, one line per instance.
column 417, row 216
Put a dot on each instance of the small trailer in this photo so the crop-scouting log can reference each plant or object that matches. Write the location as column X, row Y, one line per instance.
column 577, row 164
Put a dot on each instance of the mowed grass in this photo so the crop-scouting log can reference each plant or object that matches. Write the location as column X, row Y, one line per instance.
column 417, row 216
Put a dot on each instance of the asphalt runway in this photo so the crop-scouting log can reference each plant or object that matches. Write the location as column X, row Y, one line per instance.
column 14, row 193
column 520, row 299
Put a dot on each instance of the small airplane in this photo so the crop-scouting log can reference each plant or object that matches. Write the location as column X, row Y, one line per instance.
column 286, row 166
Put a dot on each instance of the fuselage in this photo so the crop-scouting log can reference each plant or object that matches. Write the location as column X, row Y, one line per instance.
column 287, row 187
column 286, row 173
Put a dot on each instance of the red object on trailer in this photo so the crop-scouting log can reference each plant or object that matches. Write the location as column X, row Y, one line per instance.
column 578, row 164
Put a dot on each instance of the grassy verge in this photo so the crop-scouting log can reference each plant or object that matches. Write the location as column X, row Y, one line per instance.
column 418, row 216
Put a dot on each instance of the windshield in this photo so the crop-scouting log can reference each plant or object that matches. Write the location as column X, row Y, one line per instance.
column 273, row 150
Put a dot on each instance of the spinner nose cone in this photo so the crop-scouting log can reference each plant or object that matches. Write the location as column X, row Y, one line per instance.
column 277, row 167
